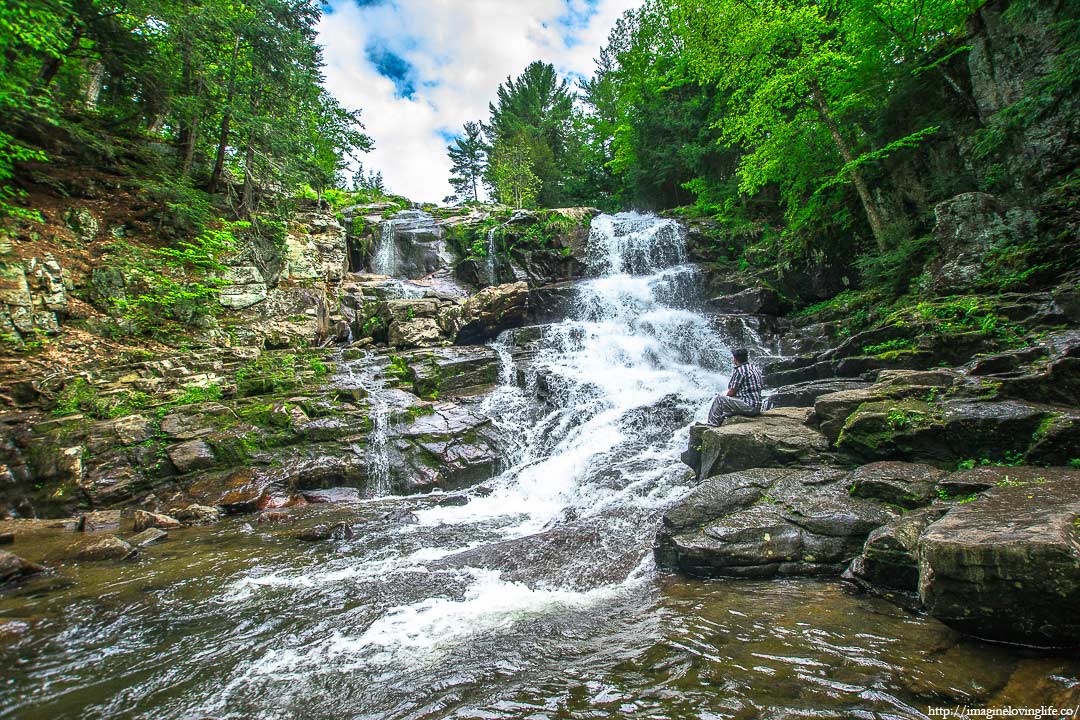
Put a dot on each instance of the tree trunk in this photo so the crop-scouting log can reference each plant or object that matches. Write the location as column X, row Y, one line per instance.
column 95, row 80
column 247, row 202
column 226, row 119
column 873, row 213
column 52, row 65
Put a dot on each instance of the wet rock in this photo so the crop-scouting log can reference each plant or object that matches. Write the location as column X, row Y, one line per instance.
column 13, row 567
column 552, row 303
column 191, row 455
column 402, row 516
column 778, row 437
column 95, row 549
column 145, row 520
column 325, row 531
column 766, row 522
column 198, row 515
column 193, row 421
column 239, row 491
column 7, row 538
column 453, row 370
column 1007, row 565
column 889, row 562
column 148, row 537
column 907, row 485
column 274, row 517
column 333, row 495
column 100, row 521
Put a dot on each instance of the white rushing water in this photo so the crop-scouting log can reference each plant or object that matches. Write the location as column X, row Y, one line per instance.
column 592, row 438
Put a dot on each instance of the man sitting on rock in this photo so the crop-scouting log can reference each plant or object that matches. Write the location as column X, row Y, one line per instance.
column 743, row 395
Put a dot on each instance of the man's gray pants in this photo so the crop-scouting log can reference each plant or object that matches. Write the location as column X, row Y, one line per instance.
column 724, row 407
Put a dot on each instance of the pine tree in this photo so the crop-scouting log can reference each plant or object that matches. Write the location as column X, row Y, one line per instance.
column 467, row 162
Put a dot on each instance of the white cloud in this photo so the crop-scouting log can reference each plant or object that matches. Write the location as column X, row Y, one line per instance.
column 459, row 50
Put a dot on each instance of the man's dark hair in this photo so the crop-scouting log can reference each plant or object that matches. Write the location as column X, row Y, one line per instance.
column 740, row 355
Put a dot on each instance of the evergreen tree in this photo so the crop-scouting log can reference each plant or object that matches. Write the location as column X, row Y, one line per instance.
column 467, row 162
column 538, row 107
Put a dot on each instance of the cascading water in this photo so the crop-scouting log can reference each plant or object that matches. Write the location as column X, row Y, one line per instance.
column 382, row 260
column 489, row 260
column 536, row 599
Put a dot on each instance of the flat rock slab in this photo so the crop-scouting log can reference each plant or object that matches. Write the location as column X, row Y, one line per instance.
column 908, row 485
column 775, row 438
column 1006, row 566
column 764, row 522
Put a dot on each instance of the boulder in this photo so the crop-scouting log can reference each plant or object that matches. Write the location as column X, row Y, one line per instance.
column 13, row 567
column 775, row 438
column 907, row 485
column 99, row 521
column 333, row 495
column 191, row 455
column 453, row 370
column 487, row 313
column 145, row 520
column 1006, row 566
column 952, row 430
column 766, row 522
column 106, row 547
column 889, row 562
column 418, row 332
column 198, row 515
column 325, row 531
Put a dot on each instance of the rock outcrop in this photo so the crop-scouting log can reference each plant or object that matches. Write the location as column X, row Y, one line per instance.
column 768, row 521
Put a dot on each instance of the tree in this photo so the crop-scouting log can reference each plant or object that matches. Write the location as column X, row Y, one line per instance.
column 798, row 89
column 467, row 158
column 511, row 171
column 539, row 107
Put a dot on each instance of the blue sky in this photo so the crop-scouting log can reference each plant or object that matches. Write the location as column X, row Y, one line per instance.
column 418, row 69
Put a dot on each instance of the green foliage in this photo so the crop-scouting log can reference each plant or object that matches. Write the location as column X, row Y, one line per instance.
column 177, row 283
column 532, row 147
column 399, row 368
column 318, row 367
column 1011, row 458
column 467, row 163
column 194, row 394
column 510, row 171
column 1074, row 462
column 889, row 346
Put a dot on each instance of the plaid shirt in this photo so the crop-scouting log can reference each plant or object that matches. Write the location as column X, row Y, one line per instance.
column 746, row 382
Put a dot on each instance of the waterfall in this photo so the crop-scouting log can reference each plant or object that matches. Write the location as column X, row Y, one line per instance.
column 384, row 256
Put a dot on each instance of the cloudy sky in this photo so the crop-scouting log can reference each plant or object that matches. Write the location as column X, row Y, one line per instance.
column 418, row 69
